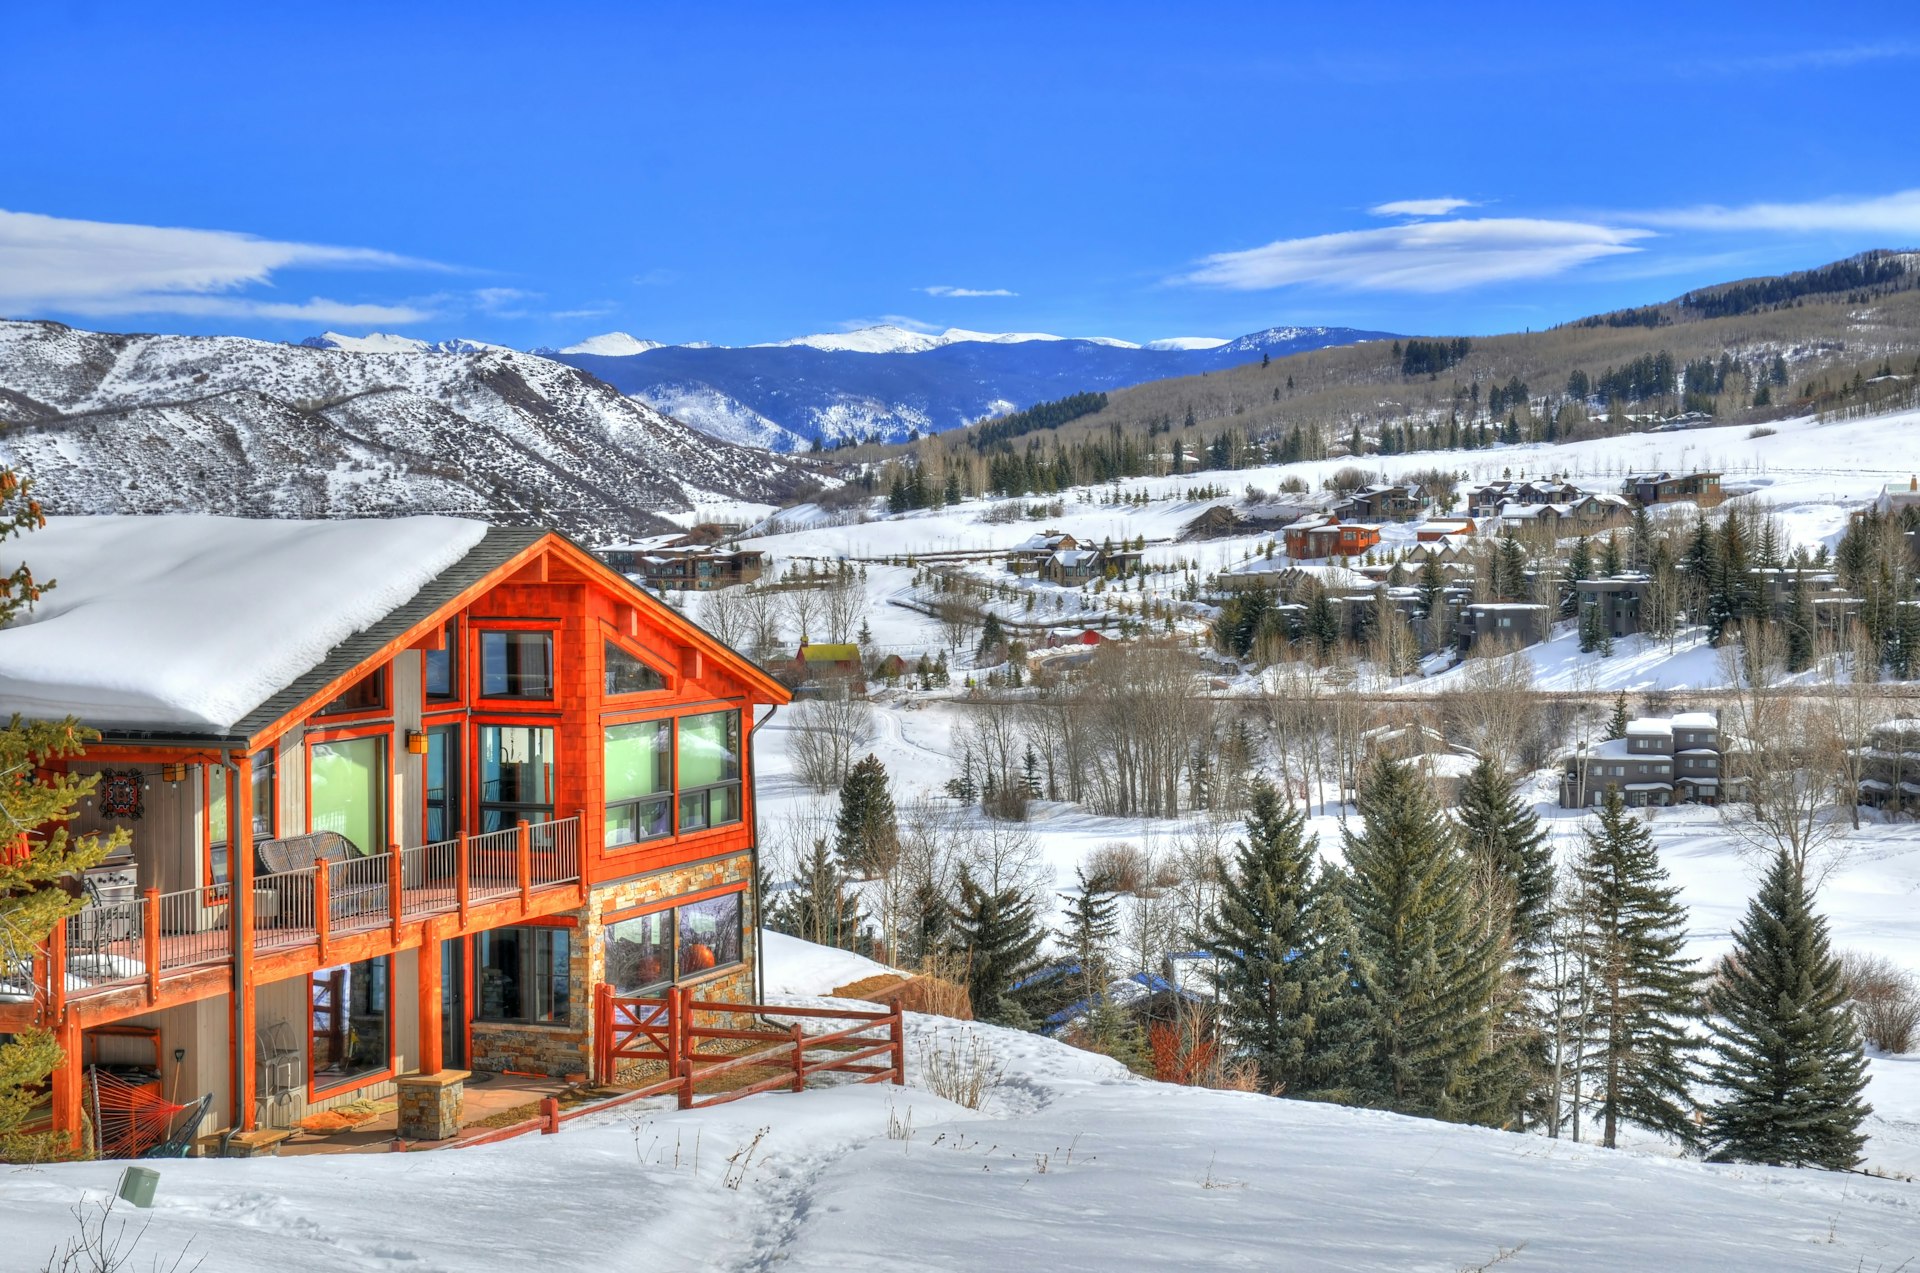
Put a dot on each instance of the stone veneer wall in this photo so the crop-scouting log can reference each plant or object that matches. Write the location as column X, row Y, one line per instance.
column 568, row 1049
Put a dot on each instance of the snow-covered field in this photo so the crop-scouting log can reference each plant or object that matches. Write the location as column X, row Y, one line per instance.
column 1070, row 1163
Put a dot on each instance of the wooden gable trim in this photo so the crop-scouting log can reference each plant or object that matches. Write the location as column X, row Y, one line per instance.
column 760, row 686
column 438, row 618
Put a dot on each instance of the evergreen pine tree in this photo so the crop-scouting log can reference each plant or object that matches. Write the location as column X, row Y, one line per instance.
column 1640, row 539
column 1431, row 958
column 1504, row 836
column 1281, row 941
column 867, row 840
column 996, row 932
column 1788, row 1052
column 1800, row 626
column 1644, row 989
column 820, row 908
column 1610, row 563
column 992, row 635
column 1617, row 722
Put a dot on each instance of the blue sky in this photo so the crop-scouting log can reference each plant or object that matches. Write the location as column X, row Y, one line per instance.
column 533, row 174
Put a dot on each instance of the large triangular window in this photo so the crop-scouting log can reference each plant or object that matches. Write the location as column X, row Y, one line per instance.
column 627, row 674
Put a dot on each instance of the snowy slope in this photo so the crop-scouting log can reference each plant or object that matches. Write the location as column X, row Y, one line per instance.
column 612, row 344
column 1070, row 1164
column 113, row 423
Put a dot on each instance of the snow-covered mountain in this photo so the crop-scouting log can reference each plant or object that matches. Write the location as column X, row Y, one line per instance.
column 608, row 344
column 390, row 343
column 110, row 423
column 789, row 394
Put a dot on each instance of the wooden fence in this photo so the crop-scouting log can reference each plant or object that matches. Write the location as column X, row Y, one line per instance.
column 669, row 1031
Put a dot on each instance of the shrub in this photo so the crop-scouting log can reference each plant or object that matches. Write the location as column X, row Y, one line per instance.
column 1761, row 431
column 958, row 1066
column 1885, row 998
column 1349, row 479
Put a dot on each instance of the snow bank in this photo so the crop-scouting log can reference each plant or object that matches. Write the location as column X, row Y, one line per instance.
column 795, row 967
column 191, row 622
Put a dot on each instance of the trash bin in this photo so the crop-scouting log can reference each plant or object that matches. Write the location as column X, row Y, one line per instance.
column 137, row 1185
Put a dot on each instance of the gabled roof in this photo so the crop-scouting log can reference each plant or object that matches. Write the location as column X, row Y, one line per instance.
column 825, row 652
column 215, row 629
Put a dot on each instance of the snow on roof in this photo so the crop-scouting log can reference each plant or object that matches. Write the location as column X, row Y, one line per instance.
column 1696, row 720
column 190, row 622
column 1650, row 725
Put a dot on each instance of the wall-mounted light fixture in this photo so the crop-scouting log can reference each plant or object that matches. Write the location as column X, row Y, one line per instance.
column 173, row 772
column 416, row 742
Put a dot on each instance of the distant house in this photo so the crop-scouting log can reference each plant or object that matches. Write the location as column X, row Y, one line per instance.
column 1661, row 761
column 1435, row 529
column 1487, row 501
column 677, row 563
column 1891, row 765
column 829, row 661
column 1324, row 535
column 1385, row 502
column 891, row 667
column 1511, row 623
column 1032, row 554
column 1619, row 600
column 1649, row 489
column 1897, row 497
column 1074, row 565
column 1444, row 763
column 1069, row 636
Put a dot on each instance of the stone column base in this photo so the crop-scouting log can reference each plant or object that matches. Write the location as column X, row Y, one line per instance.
column 432, row 1106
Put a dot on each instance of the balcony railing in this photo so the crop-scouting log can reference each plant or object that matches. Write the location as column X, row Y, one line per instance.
column 105, row 947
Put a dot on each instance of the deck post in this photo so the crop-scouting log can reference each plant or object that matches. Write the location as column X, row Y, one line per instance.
column 56, row 966
column 678, row 1024
column 462, row 887
column 68, row 1085
column 897, row 1035
column 799, row 1058
column 523, row 853
column 603, row 1033
column 432, row 1059
column 396, row 880
column 150, row 941
column 580, row 852
column 240, row 902
column 322, row 906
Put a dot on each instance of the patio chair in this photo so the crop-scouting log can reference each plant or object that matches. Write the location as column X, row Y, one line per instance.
column 181, row 1140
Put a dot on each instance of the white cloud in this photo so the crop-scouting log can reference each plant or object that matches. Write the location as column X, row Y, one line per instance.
column 943, row 290
column 1808, row 59
column 1420, row 207
column 1424, row 256
column 1888, row 214
column 105, row 268
column 889, row 320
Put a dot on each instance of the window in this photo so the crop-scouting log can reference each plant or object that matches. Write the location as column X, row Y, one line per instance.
column 647, row 952
column 709, row 770
column 263, row 811
column 709, row 934
column 350, row 1026
column 521, row 975
column 349, row 791
column 516, row 664
column 439, row 670
column 442, row 783
column 639, row 781
column 640, row 953
column 365, row 695
column 627, row 674
column 516, row 775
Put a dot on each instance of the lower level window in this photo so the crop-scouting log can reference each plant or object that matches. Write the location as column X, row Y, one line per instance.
column 350, row 1009
column 647, row 952
column 522, row 975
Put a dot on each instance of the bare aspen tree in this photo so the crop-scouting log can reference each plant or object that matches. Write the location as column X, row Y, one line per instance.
column 1849, row 706
column 724, row 613
column 826, row 733
column 805, row 608
column 1496, row 709
column 764, row 618
column 1777, row 796
column 842, row 603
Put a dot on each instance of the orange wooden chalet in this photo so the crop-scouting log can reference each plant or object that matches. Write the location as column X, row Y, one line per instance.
column 400, row 794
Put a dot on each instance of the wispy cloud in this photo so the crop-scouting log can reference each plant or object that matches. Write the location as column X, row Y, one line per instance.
column 1425, row 256
column 1888, row 214
column 658, row 276
column 940, row 289
column 1808, row 59
column 56, row 264
column 1420, row 207
column 891, row 320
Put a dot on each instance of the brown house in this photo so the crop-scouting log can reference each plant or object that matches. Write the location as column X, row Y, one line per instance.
column 1667, row 488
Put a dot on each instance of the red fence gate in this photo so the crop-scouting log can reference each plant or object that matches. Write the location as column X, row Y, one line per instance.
column 669, row 1030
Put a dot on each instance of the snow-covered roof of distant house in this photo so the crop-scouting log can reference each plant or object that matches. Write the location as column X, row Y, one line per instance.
column 1520, row 512
column 1334, row 576
column 1696, row 720
column 1505, row 605
column 1070, row 558
column 648, row 543
column 1650, row 726
column 192, row 623
column 1310, row 521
